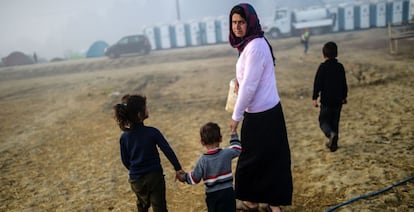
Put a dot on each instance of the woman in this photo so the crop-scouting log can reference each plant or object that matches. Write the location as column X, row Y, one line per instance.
column 263, row 173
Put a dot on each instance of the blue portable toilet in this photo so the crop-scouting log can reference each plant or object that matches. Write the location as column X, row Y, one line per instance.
column 346, row 17
column 203, row 36
column 218, row 31
column 97, row 49
column 180, row 34
column 149, row 31
column 208, row 31
column 334, row 11
column 394, row 12
column 378, row 14
column 187, row 34
column 406, row 10
column 223, row 28
column 157, row 33
column 165, row 36
column 173, row 36
column 194, row 33
column 362, row 18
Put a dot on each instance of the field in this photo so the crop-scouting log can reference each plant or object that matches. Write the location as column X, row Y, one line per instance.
column 59, row 147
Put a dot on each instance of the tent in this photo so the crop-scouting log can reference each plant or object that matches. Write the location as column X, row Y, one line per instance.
column 97, row 49
column 17, row 58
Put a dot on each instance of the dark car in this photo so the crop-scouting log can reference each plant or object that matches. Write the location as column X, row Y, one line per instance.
column 131, row 44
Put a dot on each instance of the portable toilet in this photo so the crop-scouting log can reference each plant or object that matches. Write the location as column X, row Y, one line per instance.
column 406, row 11
column 149, row 31
column 194, row 33
column 378, row 14
column 157, row 37
column 187, row 34
column 334, row 11
column 179, row 34
column 165, row 36
column 346, row 17
column 362, row 18
column 173, row 37
column 208, row 31
column 222, row 24
column 394, row 11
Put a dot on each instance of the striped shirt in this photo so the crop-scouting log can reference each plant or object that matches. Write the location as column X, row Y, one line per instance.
column 214, row 167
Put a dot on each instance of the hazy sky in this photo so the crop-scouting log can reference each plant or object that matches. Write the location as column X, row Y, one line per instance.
column 52, row 27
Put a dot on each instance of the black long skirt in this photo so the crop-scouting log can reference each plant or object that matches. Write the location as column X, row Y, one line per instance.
column 263, row 172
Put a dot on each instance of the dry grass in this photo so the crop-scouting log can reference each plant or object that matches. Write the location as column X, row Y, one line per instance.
column 59, row 144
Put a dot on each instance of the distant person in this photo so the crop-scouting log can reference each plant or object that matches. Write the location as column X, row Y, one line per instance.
column 214, row 167
column 139, row 153
column 304, row 38
column 330, row 84
column 35, row 57
column 263, row 172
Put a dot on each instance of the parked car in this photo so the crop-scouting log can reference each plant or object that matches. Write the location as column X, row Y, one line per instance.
column 131, row 44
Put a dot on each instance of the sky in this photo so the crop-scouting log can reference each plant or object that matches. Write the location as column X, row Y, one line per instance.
column 55, row 28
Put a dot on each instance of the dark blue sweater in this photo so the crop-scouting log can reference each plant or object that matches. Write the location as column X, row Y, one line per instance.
column 139, row 152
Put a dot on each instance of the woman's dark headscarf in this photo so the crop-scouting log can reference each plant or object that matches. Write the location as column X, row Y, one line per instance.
column 254, row 29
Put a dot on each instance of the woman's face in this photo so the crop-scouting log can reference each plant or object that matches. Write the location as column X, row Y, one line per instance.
column 238, row 25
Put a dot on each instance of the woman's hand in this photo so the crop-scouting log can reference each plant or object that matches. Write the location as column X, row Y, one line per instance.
column 233, row 126
column 236, row 86
column 315, row 103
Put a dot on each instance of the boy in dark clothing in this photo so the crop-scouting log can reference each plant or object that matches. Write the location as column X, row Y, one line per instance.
column 330, row 84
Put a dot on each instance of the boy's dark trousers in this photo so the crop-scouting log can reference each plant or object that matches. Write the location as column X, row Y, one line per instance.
column 221, row 201
column 150, row 191
column 329, row 119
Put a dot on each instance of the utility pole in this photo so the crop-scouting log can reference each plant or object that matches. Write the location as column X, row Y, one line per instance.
column 177, row 6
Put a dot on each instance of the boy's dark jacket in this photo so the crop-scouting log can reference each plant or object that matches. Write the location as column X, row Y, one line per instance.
column 330, row 83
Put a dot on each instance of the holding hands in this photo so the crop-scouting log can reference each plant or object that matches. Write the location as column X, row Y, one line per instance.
column 180, row 175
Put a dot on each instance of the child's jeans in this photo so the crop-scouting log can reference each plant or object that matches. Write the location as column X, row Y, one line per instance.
column 150, row 191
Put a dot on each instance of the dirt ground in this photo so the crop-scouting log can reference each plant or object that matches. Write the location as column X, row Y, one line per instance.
column 59, row 147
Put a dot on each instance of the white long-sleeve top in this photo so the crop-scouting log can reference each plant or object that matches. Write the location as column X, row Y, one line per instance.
column 257, row 80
